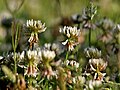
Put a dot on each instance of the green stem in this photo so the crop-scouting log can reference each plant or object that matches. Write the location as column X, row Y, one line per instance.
column 67, row 54
column 15, row 63
column 90, row 37
column 13, row 45
column 61, row 80
column 15, row 35
column 30, row 78
column 46, row 85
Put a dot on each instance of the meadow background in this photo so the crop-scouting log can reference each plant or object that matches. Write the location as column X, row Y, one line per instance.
column 56, row 14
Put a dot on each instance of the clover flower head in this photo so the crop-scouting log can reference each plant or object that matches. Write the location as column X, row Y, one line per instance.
column 72, row 34
column 79, row 79
column 99, row 76
column 48, row 55
column 92, row 52
column 96, row 66
column 57, row 47
column 70, row 31
column 94, row 83
column 99, row 64
column 36, row 26
column 34, row 56
column 31, row 54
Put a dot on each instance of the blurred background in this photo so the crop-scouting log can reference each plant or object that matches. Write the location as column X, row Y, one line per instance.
column 53, row 13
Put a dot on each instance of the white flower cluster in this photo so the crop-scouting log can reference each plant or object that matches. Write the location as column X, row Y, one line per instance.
column 94, row 83
column 70, row 31
column 34, row 55
column 48, row 55
column 98, row 65
column 57, row 47
column 36, row 26
column 92, row 52
column 72, row 34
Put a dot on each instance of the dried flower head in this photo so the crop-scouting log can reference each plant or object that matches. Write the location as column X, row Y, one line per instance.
column 31, row 70
column 21, row 84
column 72, row 34
column 49, row 73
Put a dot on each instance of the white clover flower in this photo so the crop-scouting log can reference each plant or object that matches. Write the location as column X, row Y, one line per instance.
column 92, row 52
column 79, row 79
column 48, row 55
column 94, row 83
column 31, row 54
column 34, row 56
column 97, row 64
column 57, row 48
column 36, row 26
column 99, row 76
column 72, row 34
column 70, row 31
